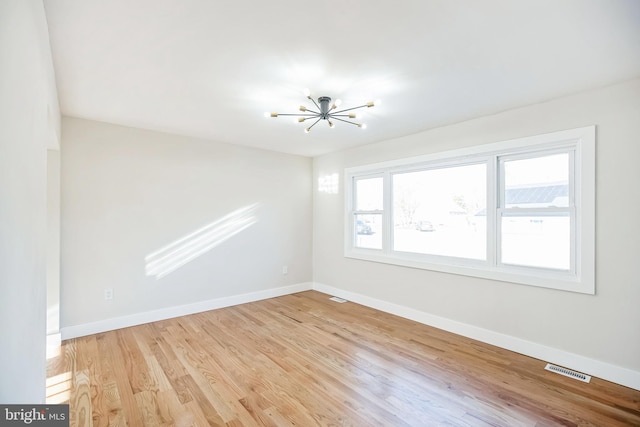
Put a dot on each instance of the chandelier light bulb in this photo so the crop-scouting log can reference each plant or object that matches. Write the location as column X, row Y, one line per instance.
column 377, row 102
column 306, row 92
column 307, row 130
column 331, row 125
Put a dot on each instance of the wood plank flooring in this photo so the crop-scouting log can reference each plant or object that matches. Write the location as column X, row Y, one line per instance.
column 303, row 360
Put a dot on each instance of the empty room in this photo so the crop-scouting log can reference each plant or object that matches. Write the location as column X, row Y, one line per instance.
column 357, row 213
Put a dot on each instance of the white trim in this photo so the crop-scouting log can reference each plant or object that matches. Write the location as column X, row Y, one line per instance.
column 54, row 341
column 596, row 368
column 111, row 324
column 511, row 146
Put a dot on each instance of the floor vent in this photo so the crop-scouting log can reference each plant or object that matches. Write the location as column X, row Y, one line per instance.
column 568, row 373
column 337, row 299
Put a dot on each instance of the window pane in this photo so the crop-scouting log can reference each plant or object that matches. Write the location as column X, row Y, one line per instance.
column 369, row 194
column 537, row 241
column 537, row 182
column 441, row 211
column 368, row 230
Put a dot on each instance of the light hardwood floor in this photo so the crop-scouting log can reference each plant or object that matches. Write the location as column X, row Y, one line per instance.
column 303, row 360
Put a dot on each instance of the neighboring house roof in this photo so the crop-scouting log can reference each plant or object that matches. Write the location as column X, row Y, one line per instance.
column 534, row 196
column 539, row 195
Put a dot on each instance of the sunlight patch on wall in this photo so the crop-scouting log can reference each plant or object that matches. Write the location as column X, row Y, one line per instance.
column 184, row 250
column 328, row 184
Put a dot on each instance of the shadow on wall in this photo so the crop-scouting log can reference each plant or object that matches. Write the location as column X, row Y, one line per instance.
column 173, row 256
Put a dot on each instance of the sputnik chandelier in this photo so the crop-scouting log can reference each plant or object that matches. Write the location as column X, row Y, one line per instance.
column 326, row 112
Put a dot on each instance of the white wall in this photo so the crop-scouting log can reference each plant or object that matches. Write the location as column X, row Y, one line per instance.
column 604, row 327
column 29, row 123
column 126, row 193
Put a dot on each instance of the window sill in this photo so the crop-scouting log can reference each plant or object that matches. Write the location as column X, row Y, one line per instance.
column 520, row 275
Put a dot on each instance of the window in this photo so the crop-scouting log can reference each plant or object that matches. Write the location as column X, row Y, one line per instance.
column 536, row 214
column 519, row 211
column 446, row 199
column 368, row 213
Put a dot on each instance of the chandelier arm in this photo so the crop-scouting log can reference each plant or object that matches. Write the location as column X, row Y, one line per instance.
column 300, row 115
column 349, row 109
column 314, row 103
column 346, row 121
column 306, row 110
column 314, row 123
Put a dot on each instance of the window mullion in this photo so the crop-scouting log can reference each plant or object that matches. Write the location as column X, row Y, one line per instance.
column 536, row 211
column 374, row 212
column 387, row 215
column 492, row 204
column 574, row 203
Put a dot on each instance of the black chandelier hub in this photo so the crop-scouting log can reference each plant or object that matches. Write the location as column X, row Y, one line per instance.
column 324, row 107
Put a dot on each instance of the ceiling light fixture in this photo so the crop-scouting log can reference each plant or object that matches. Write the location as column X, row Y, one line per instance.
column 326, row 112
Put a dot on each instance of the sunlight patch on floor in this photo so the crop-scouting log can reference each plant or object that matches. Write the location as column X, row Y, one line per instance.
column 59, row 388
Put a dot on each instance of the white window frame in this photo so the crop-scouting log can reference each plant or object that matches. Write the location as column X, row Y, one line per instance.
column 580, row 143
column 356, row 212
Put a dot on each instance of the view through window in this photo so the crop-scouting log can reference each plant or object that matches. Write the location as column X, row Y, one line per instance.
column 536, row 216
column 441, row 211
column 368, row 217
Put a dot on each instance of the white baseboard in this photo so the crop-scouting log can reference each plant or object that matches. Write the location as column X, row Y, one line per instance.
column 596, row 368
column 75, row 331
column 53, row 345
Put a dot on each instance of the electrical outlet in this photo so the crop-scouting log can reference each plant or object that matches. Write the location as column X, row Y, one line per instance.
column 108, row 294
column 285, row 269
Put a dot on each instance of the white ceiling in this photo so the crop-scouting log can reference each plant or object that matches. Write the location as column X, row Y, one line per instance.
column 211, row 68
